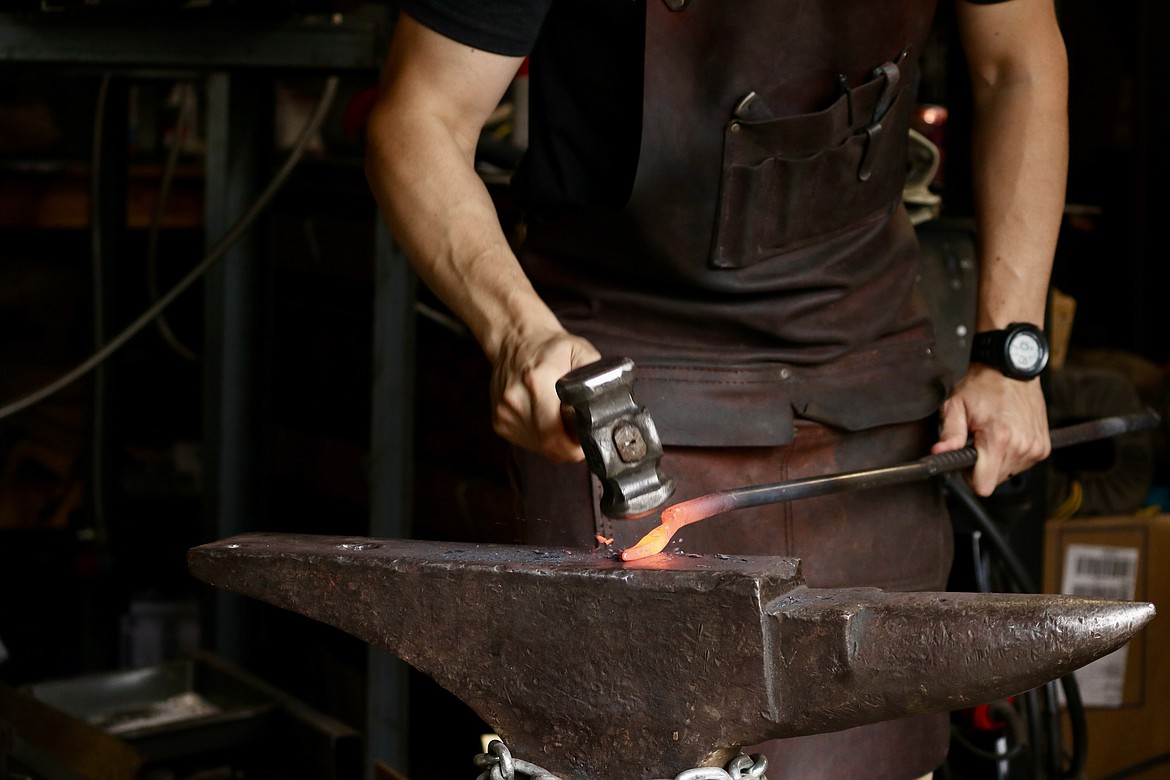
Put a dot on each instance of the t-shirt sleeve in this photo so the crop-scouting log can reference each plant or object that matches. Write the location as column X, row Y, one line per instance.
column 507, row 27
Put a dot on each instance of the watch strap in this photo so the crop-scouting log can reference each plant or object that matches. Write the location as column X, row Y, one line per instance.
column 987, row 347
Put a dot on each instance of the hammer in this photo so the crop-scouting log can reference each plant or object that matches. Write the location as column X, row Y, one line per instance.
column 619, row 438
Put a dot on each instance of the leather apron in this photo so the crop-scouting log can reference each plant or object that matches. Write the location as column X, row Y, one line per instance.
column 763, row 257
column 762, row 277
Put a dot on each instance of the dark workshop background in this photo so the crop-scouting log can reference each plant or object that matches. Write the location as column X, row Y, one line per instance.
column 100, row 499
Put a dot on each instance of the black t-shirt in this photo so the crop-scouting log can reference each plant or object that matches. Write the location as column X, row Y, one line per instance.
column 501, row 26
column 585, row 87
column 511, row 27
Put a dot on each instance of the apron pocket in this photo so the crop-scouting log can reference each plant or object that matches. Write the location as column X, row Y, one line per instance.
column 798, row 180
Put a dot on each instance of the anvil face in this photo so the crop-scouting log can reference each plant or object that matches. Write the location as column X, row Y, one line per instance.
column 595, row 668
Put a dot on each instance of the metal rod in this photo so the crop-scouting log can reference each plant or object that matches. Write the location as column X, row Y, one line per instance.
column 929, row 466
column 702, row 507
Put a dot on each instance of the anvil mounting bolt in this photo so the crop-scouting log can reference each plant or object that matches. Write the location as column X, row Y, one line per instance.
column 628, row 441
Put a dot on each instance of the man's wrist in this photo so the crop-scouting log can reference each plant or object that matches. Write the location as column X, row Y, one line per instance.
column 1019, row 351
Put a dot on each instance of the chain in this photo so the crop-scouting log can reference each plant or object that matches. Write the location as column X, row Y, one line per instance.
column 498, row 764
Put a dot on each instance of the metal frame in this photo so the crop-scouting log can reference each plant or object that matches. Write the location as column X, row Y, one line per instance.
column 239, row 57
column 325, row 43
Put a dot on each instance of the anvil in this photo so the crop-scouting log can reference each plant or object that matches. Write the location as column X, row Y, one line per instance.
column 598, row 669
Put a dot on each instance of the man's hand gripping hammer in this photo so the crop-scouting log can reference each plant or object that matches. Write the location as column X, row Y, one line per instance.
column 618, row 436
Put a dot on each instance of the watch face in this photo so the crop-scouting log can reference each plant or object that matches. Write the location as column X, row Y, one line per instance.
column 1024, row 351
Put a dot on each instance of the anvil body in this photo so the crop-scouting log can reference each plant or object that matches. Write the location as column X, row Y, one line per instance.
column 595, row 668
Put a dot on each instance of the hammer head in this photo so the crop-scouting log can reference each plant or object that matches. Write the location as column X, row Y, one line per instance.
column 620, row 441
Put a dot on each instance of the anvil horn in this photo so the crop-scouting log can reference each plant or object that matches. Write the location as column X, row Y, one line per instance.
column 599, row 669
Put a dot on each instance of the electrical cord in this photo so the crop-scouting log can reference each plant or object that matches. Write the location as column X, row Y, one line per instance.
column 1077, row 725
column 1007, row 713
column 97, row 420
column 1076, row 713
column 962, row 491
column 1031, row 705
column 213, row 256
column 183, row 122
column 1050, row 714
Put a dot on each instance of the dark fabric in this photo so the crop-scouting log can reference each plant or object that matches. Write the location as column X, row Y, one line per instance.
column 585, row 87
column 857, row 753
column 585, row 105
column 500, row 26
column 897, row 538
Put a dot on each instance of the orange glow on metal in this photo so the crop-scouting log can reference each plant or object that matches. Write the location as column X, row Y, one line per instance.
column 673, row 519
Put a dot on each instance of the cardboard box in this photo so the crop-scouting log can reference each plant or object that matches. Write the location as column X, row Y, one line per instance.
column 1128, row 693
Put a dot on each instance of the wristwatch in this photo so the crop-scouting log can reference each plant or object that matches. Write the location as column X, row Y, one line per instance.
column 1020, row 350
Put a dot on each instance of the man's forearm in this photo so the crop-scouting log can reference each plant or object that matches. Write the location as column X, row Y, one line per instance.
column 1019, row 79
column 420, row 162
column 443, row 217
column 1021, row 163
column 421, row 166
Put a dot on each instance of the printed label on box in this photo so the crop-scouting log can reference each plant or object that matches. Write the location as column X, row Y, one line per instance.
column 1098, row 571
